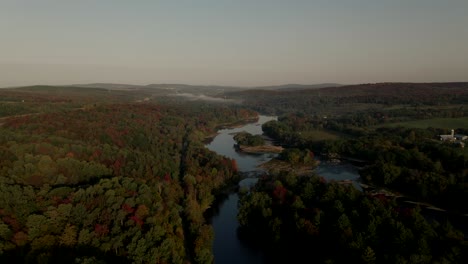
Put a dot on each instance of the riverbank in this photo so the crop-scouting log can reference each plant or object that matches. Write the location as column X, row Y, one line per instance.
column 208, row 138
column 259, row 149
column 238, row 124
column 227, row 247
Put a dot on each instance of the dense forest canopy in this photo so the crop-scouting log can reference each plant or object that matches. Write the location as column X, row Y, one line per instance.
column 108, row 181
column 393, row 132
column 308, row 218
column 379, row 97
column 107, row 172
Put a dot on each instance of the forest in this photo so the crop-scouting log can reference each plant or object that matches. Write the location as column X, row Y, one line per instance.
column 111, row 181
column 99, row 175
column 402, row 167
column 302, row 218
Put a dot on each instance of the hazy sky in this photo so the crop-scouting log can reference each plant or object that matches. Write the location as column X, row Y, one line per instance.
column 235, row 42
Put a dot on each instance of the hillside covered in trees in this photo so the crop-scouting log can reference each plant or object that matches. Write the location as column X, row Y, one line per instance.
column 300, row 218
column 107, row 180
column 392, row 131
column 112, row 173
column 377, row 100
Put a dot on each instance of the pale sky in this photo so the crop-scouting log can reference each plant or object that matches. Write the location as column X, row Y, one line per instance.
column 237, row 42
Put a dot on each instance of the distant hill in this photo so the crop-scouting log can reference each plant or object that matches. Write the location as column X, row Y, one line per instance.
column 184, row 87
column 111, row 86
column 397, row 89
column 279, row 99
column 337, row 100
column 291, row 87
column 188, row 86
column 210, row 90
column 388, row 92
column 56, row 88
column 367, row 89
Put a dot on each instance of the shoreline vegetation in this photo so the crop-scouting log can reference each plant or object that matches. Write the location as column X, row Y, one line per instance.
column 208, row 138
column 130, row 181
column 298, row 169
column 259, row 149
column 240, row 123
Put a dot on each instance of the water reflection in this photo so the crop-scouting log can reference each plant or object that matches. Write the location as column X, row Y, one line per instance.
column 227, row 247
column 223, row 144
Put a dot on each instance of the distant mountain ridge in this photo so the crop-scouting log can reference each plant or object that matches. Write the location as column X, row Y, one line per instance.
column 333, row 89
column 294, row 86
column 112, row 86
column 366, row 91
column 188, row 86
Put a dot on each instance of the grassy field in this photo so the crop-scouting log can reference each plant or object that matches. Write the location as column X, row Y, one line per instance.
column 449, row 123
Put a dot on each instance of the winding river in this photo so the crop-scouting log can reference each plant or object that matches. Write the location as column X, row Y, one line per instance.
column 227, row 247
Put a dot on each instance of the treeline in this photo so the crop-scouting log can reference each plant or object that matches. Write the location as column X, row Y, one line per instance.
column 121, row 183
column 293, row 126
column 352, row 109
column 247, row 139
column 297, row 156
column 412, row 161
column 306, row 218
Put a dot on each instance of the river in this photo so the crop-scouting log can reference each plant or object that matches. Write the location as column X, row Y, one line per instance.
column 227, row 247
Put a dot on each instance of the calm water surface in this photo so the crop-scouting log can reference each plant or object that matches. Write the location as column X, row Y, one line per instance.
column 223, row 144
column 227, row 248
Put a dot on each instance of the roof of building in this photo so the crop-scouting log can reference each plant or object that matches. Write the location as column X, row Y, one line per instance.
column 447, row 137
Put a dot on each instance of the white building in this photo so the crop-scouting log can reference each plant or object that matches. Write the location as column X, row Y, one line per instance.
column 453, row 137
column 450, row 137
